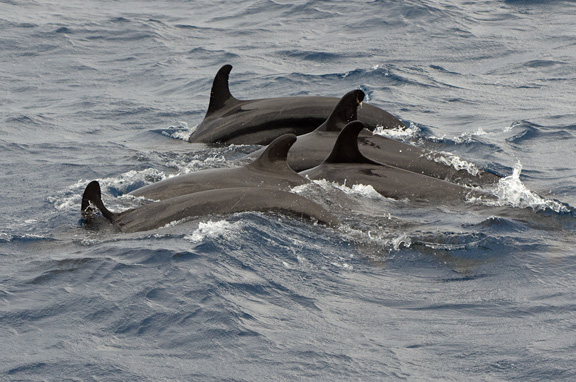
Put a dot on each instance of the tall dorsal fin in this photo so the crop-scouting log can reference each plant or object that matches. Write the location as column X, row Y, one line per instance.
column 93, row 194
column 276, row 154
column 220, row 94
column 346, row 147
column 345, row 111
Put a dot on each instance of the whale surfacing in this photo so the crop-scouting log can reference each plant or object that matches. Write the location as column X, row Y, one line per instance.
column 270, row 169
column 211, row 202
column 229, row 120
column 312, row 148
column 346, row 165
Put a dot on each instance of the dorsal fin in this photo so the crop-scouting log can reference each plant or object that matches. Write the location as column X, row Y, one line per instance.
column 346, row 147
column 345, row 111
column 93, row 194
column 276, row 154
column 220, row 94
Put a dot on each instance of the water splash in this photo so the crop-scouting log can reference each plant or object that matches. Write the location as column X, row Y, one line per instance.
column 512, row 192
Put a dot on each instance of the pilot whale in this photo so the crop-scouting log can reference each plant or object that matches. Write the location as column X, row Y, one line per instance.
column 312, row 148
column 348, row 166
column 270, row 169
column 222, row 201
column 229, row 120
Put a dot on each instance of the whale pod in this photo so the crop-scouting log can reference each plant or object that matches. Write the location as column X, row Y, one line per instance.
column 312, row 148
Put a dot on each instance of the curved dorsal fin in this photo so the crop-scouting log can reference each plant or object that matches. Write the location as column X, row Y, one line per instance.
column 346, row 147
column 345, row 111
column 220, row 94
column 276, row 154
column 93, row 194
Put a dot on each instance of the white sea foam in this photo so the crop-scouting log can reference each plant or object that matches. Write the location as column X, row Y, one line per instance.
column 300, row 189
column 468, row 137
column 402, row 133
column 124, row 181
column 213, row 229
column 363, row 190
column 358, row 189
column 71, row 198
column 512, row 192
column 401, row 241
column 454, row 161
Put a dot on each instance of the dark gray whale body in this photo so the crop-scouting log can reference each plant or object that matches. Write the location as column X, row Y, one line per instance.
column 270, row 170
column 233, row 121
column 222, row 201
column 348, row 166
column 312, row 148
column 259, row 186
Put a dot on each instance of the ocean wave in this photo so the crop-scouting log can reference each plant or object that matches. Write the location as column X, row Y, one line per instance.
column 524, row 132
column 6, row 237
column 309, row 55
column 179, row 130
column 479, row 139
column 499, row 225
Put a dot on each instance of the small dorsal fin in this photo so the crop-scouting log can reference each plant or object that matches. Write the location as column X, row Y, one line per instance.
column 93, row 194
column 345, row 111
column 220, row 94
column 346, row 147
column 276, row 153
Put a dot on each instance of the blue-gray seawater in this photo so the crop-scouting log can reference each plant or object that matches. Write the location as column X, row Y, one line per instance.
column 110, row 90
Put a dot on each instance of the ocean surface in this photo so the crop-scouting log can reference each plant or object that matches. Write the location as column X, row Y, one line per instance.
column 110, row 91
